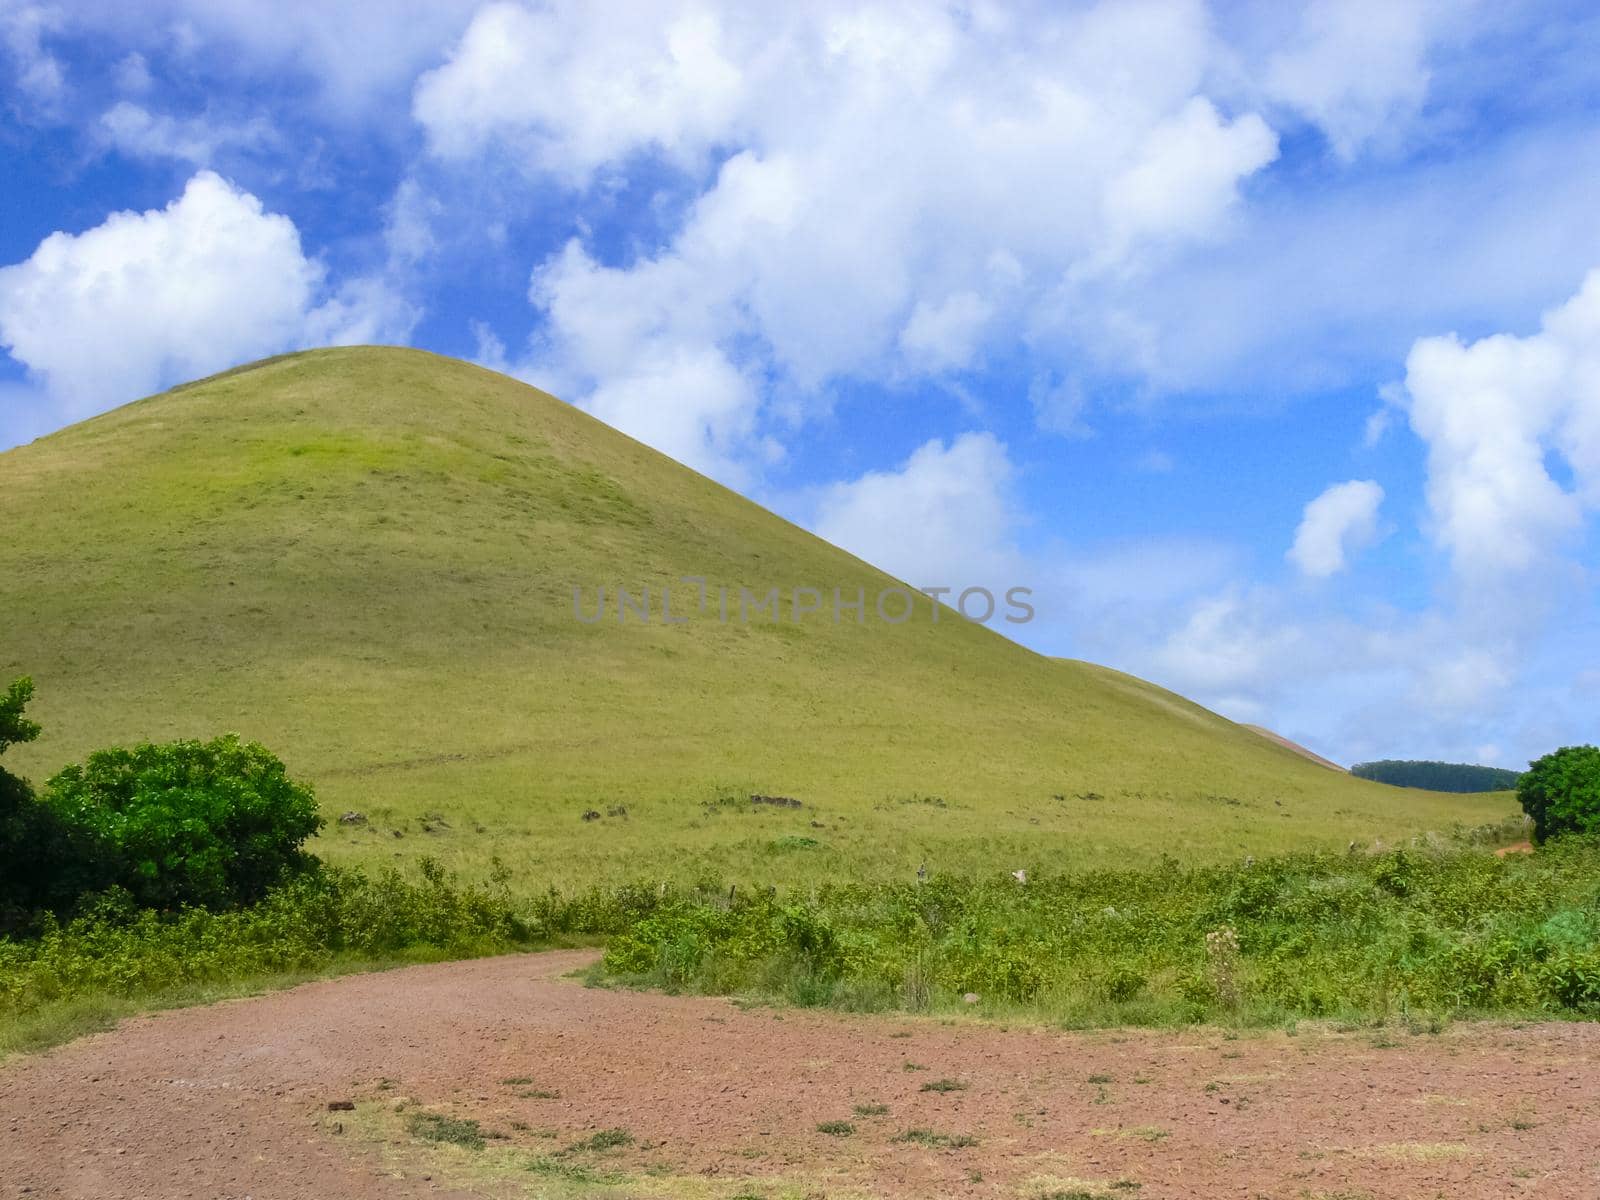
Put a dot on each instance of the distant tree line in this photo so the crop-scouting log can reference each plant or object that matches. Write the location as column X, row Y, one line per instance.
column 1438, row 776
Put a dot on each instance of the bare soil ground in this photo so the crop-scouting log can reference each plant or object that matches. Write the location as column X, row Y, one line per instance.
column 232, row 1101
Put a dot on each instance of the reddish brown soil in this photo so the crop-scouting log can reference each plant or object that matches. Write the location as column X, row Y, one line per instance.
column 231, row 1100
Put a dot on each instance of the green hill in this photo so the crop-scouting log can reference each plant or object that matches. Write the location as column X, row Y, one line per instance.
column 365, row 559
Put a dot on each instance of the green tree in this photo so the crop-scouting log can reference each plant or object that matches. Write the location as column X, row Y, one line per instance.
column 37, row 870
column 14, row 727
column 213, row 824
column 1561, row 792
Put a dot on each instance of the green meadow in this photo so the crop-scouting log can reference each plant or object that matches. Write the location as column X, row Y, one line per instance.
column 365, row 559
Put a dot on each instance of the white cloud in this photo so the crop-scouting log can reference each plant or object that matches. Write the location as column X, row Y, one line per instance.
column 945, row 518
column 622, row 345
column 1377, row 426
column 135, row 131
column 37, row 73
column 898, row 186
column 577, row 86
column 1185, row 177
column 689, row 403
column 945, row 335
column 1302, row 297
column 1059, row 405
column 1388, row 684
column 409, row 230
column 1228, row 644
column 1338, row 523
column 1491, row 412
column 1357, row 68
column 145, row 300
column 132, row 74
column 355, row 55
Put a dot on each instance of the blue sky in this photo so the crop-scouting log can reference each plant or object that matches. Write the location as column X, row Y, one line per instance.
column 1258, row 338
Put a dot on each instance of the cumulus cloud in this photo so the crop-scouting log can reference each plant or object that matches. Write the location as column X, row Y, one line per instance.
column 609, row 80
column 1337, row 524
column 888, row 190
column 1185, row 177
column 944, row 518
column 690, row 403
column 1494, row 413
column 148, row 299
column 1511, row 426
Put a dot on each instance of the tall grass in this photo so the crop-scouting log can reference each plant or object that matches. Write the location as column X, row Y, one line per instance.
column 1419, row 932
column 1416, row 931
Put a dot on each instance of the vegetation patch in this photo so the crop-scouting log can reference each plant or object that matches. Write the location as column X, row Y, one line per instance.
column 437, row 1127
column 935, row 1140
column 1418, row 933
column 606, row 1139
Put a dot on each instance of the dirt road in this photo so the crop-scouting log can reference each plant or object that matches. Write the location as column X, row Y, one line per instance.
column 232, row 1101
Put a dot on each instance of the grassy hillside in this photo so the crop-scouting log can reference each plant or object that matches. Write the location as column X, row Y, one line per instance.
column 364, row 558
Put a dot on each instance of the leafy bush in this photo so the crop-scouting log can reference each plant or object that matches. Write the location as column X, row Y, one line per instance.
column 213, row 823
column 1561, row 792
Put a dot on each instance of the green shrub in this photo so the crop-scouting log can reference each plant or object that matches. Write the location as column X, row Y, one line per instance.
column 213, row 824
column 1561, row 792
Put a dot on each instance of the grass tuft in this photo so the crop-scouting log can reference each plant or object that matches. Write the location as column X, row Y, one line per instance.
column 606, row 1139
column 437, row 1127
column 934, row 1139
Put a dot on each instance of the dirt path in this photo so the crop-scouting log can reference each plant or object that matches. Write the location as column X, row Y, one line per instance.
column 231, row 1101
